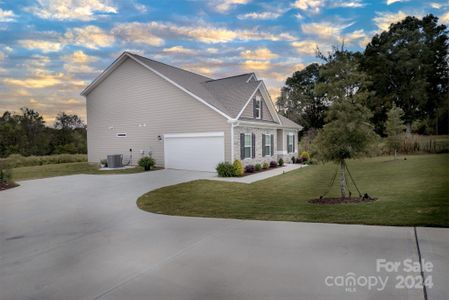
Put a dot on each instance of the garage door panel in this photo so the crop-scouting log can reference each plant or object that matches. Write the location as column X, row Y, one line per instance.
column 200, row 152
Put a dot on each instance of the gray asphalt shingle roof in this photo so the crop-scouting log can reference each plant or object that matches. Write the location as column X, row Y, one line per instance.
column 228, row 94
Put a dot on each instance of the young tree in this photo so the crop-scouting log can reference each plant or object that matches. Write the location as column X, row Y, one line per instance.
column 347, row 133
column 395, row 127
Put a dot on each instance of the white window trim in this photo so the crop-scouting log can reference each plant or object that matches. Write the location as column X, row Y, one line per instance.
column 291, row 135
column 121, row 134
column 267, row 135
column 250, row 145
column 258, row 108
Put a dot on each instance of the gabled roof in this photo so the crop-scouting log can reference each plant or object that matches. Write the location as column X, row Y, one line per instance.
column 286, row 122
column 228, row 96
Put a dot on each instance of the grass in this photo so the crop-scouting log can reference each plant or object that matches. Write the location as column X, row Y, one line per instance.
column 52, row 170
column 410, row 192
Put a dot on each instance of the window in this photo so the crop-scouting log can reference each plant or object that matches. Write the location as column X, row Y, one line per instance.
column 268, row 145
column 258, row 108
column 290, row 143
column 121, row 134
column 248, row 145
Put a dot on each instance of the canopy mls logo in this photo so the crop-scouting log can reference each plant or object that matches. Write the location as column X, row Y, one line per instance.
column 350, row 281
column 408, row 276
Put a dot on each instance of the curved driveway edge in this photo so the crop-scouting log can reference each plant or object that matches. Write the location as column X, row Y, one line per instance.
column 83, row 237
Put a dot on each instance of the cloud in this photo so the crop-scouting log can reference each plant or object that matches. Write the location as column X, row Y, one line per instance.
column 389, row 2
column 78, row 62
column 352, row 4
column 84, row 10
column 307, row 47
column 91, row 37
column 324, row 30
column 436, row 5
column 224, row 6
column 259, row 54
column 309, row 5
column 212, row 50
column 38, row 81
column 2, row 56
column 383, row 20
column 179, row 49
column 153, row 33
column 138, row 33
column 256, row 65
column 357, row 36
column 42, row 45
column 445, row 18
column 7, row 16
column 269, row 13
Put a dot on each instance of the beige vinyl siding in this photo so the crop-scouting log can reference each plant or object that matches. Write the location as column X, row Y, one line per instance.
column 135, row 101
column 248, row 112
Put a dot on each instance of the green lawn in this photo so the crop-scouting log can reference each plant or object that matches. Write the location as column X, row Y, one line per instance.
column 410, row 192
column 34, row 172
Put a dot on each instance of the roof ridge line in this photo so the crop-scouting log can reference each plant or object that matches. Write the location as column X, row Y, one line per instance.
column 134, row 54
column 229, row 77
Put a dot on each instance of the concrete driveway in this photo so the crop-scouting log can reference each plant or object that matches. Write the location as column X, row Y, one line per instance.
column 82, row 237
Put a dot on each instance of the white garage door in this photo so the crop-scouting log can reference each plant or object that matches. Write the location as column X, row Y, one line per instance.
column 194, row 151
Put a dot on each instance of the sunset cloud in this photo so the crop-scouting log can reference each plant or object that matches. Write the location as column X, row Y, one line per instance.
column 91, row 36
column 38, row 81
column 260, row 54
column 445, row 18
column 42, row 45
column 256, row 65
column 308, row 47
column 7, row 15
column 179, row 49
column 226, row 5
column 84, row 10
column 324, row 30
column 309, row 5
column 138, row 33
column 78, row 62
column 383, row 20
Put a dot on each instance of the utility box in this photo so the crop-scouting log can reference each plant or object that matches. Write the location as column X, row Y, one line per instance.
column 115, row 161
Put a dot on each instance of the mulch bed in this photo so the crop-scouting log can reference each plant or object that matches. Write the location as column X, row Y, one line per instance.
column 7, row 185
column 342, row 200
column 262, row 170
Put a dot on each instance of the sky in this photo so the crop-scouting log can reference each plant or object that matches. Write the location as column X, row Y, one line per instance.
column 50, row 50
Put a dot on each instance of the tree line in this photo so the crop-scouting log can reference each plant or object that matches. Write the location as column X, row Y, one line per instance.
column 26, row 133
column 404, row 68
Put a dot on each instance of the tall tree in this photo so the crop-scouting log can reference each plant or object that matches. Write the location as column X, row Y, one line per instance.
column 395, row 127
column 408, row 67
column 347, row 133
column 299, row 100
column 33, row 126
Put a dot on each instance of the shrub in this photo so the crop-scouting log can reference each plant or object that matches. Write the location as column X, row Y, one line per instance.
column 305, row 156
column 238, row 168
column 104, row 163
column 146, row 162
column 5, row 176
column 249, row 169
column 280, row 162
column 225, row 169
column 273, row 164
column 293, row 160
column 258, row 167
column 299, row 160
column 265, row 165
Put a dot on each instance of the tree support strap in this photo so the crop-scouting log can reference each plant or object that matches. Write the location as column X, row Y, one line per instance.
column 352, row 179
